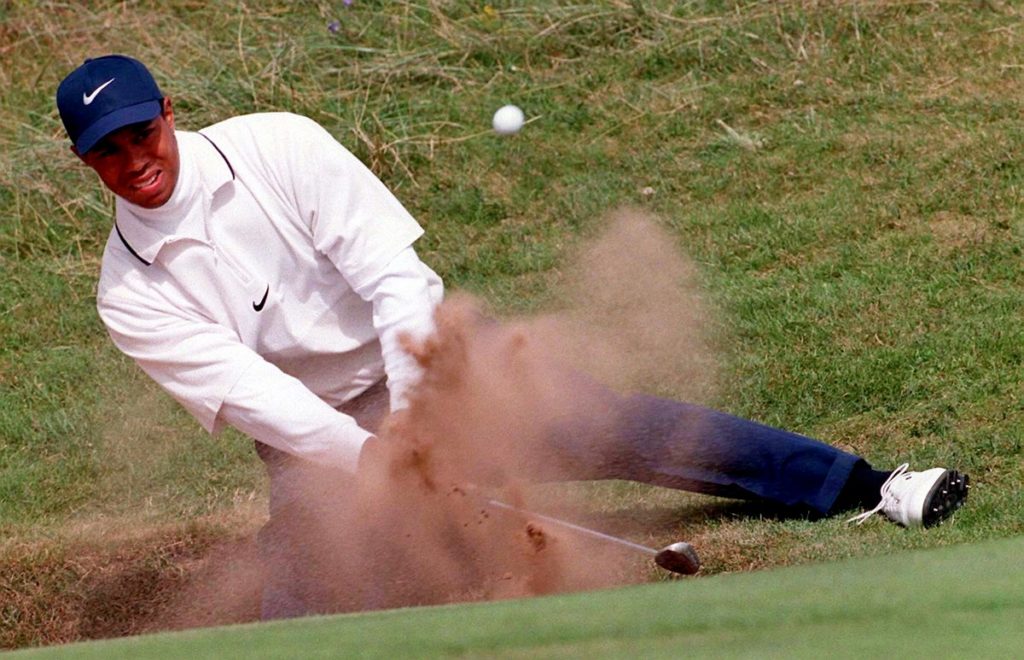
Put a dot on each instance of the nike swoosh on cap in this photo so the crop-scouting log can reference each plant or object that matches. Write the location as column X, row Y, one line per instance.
column 89, row 98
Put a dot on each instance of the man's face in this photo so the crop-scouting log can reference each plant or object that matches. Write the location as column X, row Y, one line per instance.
column 139, row 162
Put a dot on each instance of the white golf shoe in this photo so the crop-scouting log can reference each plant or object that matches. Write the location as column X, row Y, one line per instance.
column 916, row 499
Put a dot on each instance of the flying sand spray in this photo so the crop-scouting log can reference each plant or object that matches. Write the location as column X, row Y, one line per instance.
column 679, row 557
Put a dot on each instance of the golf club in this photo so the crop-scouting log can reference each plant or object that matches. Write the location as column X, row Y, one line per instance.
column 679, row 557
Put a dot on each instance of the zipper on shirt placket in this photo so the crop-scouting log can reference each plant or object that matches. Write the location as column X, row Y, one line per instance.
column 219, row 255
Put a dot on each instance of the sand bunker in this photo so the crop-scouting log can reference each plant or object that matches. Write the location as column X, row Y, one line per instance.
column 480, row 425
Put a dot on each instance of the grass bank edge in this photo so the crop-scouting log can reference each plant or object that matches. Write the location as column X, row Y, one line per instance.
column 975, row 581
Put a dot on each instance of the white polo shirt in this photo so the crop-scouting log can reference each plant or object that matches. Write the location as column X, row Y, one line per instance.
column 271, row 287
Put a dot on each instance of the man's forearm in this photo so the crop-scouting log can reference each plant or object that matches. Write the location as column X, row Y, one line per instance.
column 402, row 305
column 278, row 410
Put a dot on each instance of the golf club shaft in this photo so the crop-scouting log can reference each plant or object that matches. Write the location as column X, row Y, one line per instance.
column 576, row 528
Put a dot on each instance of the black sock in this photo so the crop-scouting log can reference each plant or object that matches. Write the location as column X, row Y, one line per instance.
column 863, row 490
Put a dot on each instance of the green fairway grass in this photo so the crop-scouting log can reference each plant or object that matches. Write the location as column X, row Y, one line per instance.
column 963, row 601
column 846, row 177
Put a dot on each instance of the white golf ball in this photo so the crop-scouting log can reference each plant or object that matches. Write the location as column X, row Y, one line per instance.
column 508, row 120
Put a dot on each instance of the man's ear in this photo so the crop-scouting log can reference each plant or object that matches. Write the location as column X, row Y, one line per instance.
column 167, row 111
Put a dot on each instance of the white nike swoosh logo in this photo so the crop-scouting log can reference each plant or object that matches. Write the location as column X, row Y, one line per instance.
column 89, row 98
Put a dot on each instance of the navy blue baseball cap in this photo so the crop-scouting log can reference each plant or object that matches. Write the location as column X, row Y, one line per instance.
column 103, row 95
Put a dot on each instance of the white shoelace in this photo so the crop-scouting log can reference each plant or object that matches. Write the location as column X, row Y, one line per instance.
column 887, row 495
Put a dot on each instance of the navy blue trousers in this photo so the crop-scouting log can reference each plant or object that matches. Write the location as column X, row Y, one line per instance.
column 645, row 439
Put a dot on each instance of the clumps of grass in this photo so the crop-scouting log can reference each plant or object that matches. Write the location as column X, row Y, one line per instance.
column 78, row 588
column 747, row 141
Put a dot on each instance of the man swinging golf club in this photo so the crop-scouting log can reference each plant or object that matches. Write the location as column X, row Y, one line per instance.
column 262, row 275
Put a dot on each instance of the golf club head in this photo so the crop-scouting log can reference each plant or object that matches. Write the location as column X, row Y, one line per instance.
column 679, row 558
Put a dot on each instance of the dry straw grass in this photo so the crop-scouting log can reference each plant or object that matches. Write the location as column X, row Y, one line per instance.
column 256, row 56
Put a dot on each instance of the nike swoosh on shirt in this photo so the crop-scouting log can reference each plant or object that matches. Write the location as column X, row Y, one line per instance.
column 259, row 306
column 89, row 98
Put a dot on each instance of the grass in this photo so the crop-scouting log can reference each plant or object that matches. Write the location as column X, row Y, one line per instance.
column 966, row 600
column 846, row 176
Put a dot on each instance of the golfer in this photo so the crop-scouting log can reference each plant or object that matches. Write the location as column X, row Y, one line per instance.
column 262, row 275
